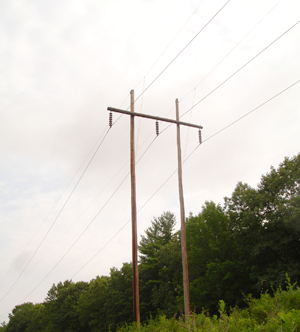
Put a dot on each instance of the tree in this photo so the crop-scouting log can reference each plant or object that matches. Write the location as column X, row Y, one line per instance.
column 27, row 317
column 211, row 255
column 92, row 305
column 119, row 304
column 266, row 224
column 160, row 268
column 62, row 305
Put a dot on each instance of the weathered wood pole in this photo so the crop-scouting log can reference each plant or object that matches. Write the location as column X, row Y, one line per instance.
column 135, row 273
column 186, row 291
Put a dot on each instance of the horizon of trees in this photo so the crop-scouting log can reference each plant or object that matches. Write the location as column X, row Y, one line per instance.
column 247, row 246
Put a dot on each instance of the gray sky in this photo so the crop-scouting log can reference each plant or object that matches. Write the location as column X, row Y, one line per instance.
column 62, row 63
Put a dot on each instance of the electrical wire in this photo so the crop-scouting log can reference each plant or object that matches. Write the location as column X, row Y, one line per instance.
column 77, row 218
column 232, row 123
column 241, row 68
column 188, row 132
column 97, row 214
column 170, row 43
column 233, row 48
column 182, row 50
column 55, row 218
column 52, row 208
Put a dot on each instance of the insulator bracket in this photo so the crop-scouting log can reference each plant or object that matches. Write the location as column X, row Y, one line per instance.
column 200, row 137
column 110, row 119
column 157, row 128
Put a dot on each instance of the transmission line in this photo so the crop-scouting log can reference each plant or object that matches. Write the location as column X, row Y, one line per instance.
column 97, row 214
column 181, row 51
column 55, row 218
column 240, row 68
column 233, row 48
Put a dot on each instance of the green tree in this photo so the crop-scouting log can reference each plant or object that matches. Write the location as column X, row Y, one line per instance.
column 160, row 268
column 92, row 305
column 211, row 258
column 27, row 317
column 119, row 304
column 265, row 223
column 62, row 306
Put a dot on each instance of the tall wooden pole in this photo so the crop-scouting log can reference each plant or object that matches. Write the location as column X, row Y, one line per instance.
column 135, row 273
column 186, row 292
column 136, row 304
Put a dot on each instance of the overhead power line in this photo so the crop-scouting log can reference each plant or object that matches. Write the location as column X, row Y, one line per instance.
column 182, row 50
column 97, row 214
column 52, row 207
column 84, row 171
column 231, row 50
column 170, row 43
column 241, row 68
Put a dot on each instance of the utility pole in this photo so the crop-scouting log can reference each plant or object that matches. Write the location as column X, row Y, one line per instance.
column 186, row 287
column 135, row 273
column 136, row 308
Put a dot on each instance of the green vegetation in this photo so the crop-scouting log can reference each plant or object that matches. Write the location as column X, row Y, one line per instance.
column 280, row 312
column 248, row 246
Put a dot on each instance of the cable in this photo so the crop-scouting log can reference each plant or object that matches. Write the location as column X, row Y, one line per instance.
column 77, row 218
column 55, row 218
column 52, row 208
column 97, row 214
column 139, row 124
column 182, row 51
column 233, row 48
column 171, row 41
column 241, row 68
column 190, row 122
column 279, row 93
column 121, row 227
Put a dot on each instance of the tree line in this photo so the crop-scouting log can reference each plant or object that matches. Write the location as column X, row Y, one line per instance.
column 247, row 246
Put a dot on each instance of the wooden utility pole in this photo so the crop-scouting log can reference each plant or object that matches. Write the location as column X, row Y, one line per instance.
column 186, row 287
column 135, row 272
column 136, row 306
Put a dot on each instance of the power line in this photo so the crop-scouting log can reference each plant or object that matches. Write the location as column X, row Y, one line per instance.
column 170, row 42
column 233, row 48
column 241, row 68
column 55, row 218
column 97, row 214
column 182, row 51
column 122, row 226
column 53, row 207
column 79, row 217
column 232, row 123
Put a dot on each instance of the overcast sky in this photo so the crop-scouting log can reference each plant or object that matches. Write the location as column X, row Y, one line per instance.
column 62, row 63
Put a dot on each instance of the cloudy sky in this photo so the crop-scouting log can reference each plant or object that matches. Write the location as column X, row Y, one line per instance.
column 62, row 63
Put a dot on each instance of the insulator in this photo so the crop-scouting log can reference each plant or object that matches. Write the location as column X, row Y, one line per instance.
column 157, row 128
column 110, row 119
column 200, row 137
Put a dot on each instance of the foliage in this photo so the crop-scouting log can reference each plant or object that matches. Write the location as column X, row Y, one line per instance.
column 92, row 305
column 61, row 305
column 280, row 312
column 27, row 317
column 211, row 256
column 160, row 268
